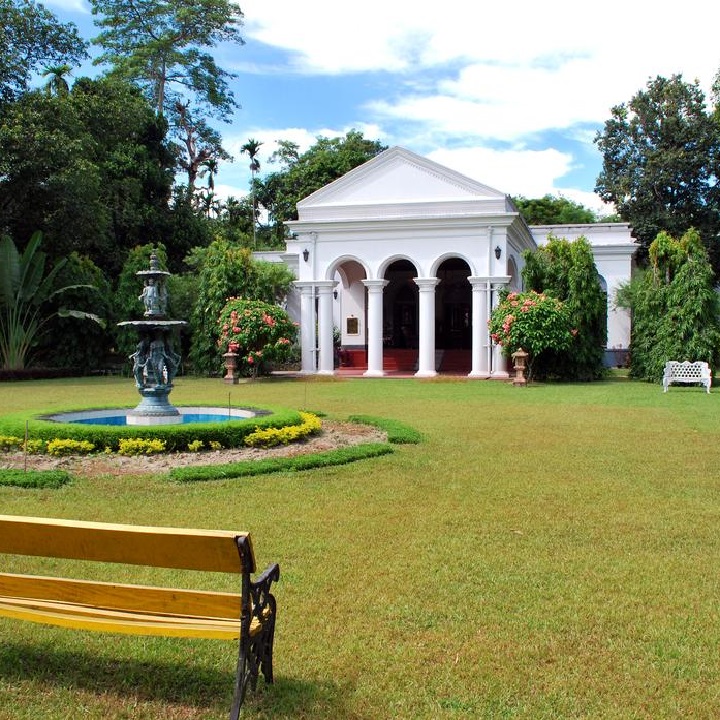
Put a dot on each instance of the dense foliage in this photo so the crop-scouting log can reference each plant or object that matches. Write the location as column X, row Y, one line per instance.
column 27, row 288
column 566, row 270
column 302, row 174
column 90, row 169
column 224, row 270
column 549, row 210
column 260, row 333
column 660, row 163
column 674, row 306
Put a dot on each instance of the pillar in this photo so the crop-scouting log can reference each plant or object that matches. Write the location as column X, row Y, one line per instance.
column 480, row 334
column 375, row 327
column 326, row 359
column 307, row 327
column 426, row 354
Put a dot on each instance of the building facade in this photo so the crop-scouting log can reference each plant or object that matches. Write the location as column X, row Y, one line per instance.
column 406, row 259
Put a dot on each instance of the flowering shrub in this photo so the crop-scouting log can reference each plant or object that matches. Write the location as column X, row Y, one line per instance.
column 532, row 321
column 61, row 448
column 311, row 425
column 257, row 331
column 140, row 446
column 10, row 442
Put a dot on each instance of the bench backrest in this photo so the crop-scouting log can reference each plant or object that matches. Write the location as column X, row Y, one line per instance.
column 687, row 368
column 179, row 548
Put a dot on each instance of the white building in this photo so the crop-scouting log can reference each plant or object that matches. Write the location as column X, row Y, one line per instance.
column 406, row 257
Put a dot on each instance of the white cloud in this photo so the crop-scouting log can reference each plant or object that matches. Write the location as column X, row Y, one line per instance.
column 515, row 172
column 76, row 6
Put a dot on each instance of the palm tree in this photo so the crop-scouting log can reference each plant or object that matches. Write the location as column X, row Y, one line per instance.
column 251, row 147
column 57, row 84
column 211, row 168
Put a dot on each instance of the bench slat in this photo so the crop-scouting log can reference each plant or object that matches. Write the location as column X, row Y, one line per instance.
column 116, row 596
column 84, row 618
column 211, row 550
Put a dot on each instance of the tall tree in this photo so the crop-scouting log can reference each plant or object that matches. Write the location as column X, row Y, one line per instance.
column 201, row 144
column 660, row 163
column 252, row 148
column 302, row 174
column 162, row 45
column 31, row 38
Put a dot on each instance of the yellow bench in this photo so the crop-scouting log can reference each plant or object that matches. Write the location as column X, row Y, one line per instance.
column 247, row 616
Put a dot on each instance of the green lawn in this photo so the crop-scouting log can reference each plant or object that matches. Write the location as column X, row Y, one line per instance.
column 547, row 552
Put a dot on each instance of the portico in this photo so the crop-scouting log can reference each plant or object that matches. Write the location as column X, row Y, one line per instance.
column 406, row 258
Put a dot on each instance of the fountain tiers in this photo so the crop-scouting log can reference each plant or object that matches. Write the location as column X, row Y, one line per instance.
column 154, row 361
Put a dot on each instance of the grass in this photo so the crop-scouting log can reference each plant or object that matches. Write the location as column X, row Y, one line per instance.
column 545, row 552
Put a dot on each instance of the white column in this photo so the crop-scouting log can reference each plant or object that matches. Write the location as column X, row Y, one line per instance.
column 326, row 365
column 375, row 327
column 480, row 333
column 307, row 326
column 426, row 354
column 499, row 361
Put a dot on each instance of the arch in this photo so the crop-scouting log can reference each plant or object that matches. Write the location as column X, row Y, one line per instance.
column 438, row 262
column 335, row 265
column 392, row 259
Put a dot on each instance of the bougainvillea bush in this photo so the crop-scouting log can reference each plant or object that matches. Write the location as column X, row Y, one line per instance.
column 535, row 322
column 259, row 332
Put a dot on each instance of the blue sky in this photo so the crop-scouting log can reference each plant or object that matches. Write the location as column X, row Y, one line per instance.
column 511, row 95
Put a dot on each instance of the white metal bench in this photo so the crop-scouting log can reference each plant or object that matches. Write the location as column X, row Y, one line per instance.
column 687, row 373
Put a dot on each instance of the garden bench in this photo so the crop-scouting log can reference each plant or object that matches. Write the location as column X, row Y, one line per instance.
column 247, row 616
column 687, row 372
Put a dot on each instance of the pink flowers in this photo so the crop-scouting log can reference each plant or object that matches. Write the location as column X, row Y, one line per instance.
column 260, row 333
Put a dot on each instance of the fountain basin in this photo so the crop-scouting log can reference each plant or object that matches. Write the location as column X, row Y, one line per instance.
column 184, row 416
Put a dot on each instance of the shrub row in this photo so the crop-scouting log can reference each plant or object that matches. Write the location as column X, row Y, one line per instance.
column 226, row 434
column 272, row 437
column 247, row 468
column 398, row 433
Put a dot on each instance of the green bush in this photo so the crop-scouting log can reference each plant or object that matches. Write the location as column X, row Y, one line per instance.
column 298, row 463
column 36, row 479
column 398, row 433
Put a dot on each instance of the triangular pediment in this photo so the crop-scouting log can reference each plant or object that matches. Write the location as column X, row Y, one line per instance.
column 401, row 178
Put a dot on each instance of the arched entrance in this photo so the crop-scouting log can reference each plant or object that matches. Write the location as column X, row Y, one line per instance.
column 453, row 334
column 400, row 317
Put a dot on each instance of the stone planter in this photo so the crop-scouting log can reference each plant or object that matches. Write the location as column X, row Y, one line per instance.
column 231, row 376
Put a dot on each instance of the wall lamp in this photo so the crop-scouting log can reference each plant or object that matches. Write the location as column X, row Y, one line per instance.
column 498, row 252
column 306, row 254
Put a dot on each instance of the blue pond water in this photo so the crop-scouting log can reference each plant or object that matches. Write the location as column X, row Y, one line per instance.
column 186, row 415
column 122, row 419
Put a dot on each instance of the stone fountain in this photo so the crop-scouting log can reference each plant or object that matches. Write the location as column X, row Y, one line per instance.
column 155, row 363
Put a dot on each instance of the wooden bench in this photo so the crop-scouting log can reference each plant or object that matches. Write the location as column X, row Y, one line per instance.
column 687, row 373
column 247, row 616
